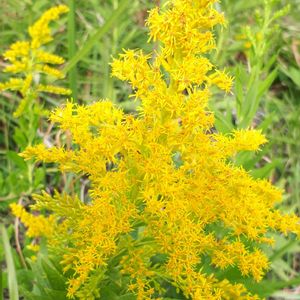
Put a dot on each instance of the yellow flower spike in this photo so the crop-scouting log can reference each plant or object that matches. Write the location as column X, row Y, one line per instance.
column 221, row 80
column 27, row 59
column 37, row 226
column 51, row 71
column 248, row 139
column 178, row 26
column 48, row 58
column 165, row 197
column 21, row 107
column 40, row 31
column 13, row 84
column 240, row 140
column 17, row 67
column 52, row 89
column 16, row 50
column 189, row 71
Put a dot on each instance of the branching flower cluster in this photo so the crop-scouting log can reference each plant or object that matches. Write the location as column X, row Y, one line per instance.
column 28, row 60
column 167, row 207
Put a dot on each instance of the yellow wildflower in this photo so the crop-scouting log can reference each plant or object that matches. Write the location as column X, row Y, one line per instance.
column 52, row 89
column 14, row 84
column 27, row 59
column 40, row 32
column 37, row 226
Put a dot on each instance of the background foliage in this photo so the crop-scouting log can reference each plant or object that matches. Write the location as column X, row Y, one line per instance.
column 260, row 47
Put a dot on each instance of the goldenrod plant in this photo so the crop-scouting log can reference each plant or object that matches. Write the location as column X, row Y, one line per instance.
column 168, row 212
column 28, row 60
column 33, row 73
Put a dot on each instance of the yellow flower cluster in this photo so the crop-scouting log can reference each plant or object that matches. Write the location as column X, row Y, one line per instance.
column 166, row 205
column 28, row 59
column 36, row 225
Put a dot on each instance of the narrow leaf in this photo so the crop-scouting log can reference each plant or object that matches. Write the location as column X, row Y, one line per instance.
column 12, row 277
column 96, row 37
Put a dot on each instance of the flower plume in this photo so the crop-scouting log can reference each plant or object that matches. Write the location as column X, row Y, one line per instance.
column 166, row 205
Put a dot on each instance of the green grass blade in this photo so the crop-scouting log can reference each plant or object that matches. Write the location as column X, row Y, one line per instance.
column 266, row 84
column 12, row 277
column 283, row 250
column 72, row 47
column 96, row 37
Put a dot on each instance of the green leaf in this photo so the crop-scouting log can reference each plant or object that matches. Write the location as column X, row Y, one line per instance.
column 266, row 83
column 239, row 92
column 39, row 177
column 57, row 295
column 292, row 73
column 20, row 138
column 11, row 271
column 222, row 123
column 25, row 278
column 266, row 170
column 55, row 279
column 108, row 293
column 18, row 160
